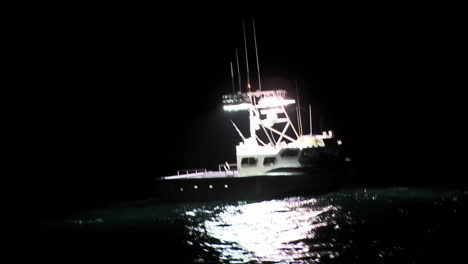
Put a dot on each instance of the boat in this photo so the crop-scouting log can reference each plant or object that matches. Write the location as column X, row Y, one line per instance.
column 276, row 158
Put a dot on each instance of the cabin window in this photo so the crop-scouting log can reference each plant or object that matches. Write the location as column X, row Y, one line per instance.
column 269, row 161
column 248, row 162
column 289, row 153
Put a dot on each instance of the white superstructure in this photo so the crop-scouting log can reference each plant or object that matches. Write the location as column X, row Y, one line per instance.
column 284, row 145
column 274, row 146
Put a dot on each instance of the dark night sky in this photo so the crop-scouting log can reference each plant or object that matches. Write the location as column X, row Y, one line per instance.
column 124, row 99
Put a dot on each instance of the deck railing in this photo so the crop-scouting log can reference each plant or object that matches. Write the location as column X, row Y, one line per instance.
column 187, row 171
column 228, row 168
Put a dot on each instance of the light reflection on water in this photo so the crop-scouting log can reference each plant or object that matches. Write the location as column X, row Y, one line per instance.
column 275, row 230
column 396, row 225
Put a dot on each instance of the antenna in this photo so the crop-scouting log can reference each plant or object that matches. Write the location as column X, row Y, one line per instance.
column 238, row 70
column 232, row 78
column 246, row 56
column 256, row 54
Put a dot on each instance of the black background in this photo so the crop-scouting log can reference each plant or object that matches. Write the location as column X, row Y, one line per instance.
column 120, row 97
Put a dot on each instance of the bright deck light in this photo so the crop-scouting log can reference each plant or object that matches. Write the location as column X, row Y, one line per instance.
column 236, row 107
column 274, row 102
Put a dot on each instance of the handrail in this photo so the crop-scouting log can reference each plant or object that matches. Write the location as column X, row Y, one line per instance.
column 191, row 170
column 227, row 167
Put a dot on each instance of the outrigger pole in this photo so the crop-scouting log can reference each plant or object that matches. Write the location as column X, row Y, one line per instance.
column 232, row 78
column 238, row 70
column 310, row 119
column 246, row 56
column 238, row 131
column 298, row 109
column 256, row 55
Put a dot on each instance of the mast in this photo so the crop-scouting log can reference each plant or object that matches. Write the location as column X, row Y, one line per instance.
column 246, row 56
column 256, row 54
column 238, row 70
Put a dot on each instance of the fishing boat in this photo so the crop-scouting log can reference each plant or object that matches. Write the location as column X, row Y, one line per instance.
column 275, row 159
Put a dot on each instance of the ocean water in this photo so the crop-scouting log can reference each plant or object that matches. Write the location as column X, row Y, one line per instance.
column 393, row 225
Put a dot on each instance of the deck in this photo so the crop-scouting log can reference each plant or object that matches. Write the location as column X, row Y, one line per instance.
column 202, row 175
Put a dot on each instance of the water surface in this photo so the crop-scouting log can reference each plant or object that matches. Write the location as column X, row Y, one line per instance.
column 395, row 225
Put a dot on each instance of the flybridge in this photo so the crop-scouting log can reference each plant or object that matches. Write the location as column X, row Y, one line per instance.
column 266, row 108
